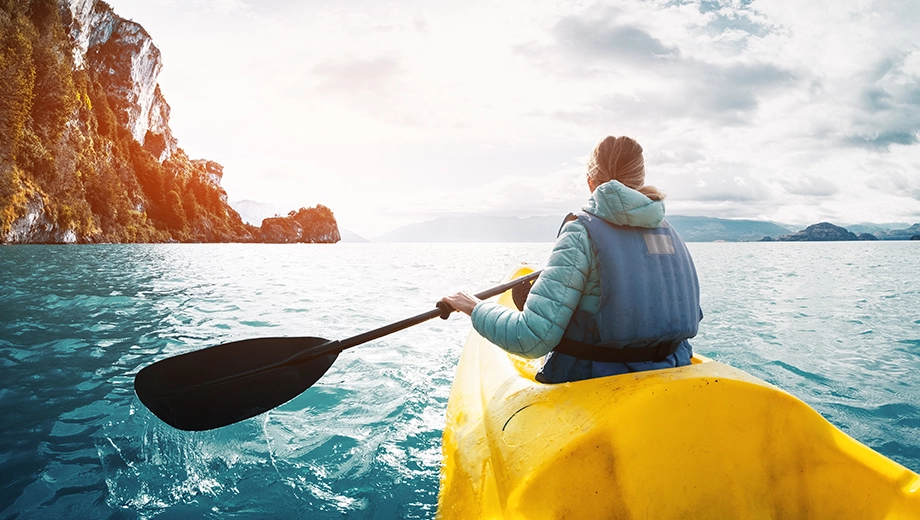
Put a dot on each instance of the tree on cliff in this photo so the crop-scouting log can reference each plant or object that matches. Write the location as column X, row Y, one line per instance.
column 69, row 167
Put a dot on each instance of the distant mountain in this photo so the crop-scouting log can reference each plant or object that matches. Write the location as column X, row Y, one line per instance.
column 899, row 234
column 544, row 229
column 254, row 212
column 868, row 227
column 351, row 236
column 827, row 232
column 708, row 229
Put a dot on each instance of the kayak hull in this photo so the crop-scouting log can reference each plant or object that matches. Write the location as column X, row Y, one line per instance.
column 701, row 441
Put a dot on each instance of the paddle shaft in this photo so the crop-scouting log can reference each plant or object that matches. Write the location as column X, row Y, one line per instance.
column 443, row 310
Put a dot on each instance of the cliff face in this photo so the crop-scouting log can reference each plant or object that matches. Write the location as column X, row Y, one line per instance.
column 86, row 152
column 126, row 63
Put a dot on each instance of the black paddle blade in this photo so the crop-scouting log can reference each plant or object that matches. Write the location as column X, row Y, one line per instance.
column 227, row 383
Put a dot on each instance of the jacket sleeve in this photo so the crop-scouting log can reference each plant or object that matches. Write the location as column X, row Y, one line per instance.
column 535, row 331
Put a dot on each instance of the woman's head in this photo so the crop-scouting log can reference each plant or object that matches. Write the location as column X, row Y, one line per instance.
column 620, row 159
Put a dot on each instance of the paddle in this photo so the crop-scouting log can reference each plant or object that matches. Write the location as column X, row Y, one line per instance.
column 224, row 384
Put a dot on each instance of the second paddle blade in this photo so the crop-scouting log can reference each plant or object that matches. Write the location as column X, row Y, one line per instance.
column 228, row 383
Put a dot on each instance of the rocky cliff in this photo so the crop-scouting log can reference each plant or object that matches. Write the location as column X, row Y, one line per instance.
column 310, row 225
column 125, row 61
column 86, row 152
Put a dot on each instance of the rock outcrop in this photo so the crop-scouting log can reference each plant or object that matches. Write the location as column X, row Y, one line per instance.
column 315, row 225
column 35, row 226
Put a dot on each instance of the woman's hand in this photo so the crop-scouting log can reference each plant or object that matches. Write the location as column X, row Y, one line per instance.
column 462, row 301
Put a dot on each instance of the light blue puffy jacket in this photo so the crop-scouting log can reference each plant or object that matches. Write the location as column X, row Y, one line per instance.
column 569, row 281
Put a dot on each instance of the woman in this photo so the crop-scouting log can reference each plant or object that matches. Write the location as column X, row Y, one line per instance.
column 619, row 292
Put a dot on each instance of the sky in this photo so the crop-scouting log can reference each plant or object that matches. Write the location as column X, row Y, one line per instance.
column 397, row 112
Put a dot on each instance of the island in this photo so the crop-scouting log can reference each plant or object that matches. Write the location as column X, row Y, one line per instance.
column 827, row 232
column 308, row 225
column 821, row 232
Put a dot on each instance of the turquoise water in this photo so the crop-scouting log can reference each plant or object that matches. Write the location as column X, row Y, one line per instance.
column 834, row 323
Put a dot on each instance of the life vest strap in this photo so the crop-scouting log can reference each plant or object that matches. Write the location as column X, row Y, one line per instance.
column 604, row 354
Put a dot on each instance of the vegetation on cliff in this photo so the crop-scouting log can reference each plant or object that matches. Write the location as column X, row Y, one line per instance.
column 70, row 168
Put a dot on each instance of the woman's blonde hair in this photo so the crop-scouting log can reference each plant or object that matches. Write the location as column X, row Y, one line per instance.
column 620, row 159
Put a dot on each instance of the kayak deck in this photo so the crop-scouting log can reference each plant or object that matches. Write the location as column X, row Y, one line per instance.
column 701, row 441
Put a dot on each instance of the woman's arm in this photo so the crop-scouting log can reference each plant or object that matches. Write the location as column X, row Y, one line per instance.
column 535, row 331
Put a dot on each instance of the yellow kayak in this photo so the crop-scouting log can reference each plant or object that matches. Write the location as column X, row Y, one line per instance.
column 705, row 441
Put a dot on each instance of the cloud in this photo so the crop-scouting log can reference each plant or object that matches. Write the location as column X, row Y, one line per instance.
column 716, row 183
column 711, row 94
column 734, row 20
column 555, row 193
column 895, row 181
column 347, row 75
column 809, row 185
column 594, row 43
column 653, row 79
column 860, row 68
column 746, row 108
column 378, row 87
column 602, row 38
column 887, row 107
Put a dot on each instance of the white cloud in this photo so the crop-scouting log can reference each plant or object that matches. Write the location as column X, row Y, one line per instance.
column 809, row 185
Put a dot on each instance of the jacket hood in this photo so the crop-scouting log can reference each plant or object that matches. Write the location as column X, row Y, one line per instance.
column 618, row 204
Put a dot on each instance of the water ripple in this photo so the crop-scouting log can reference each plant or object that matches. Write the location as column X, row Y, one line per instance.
column 364, row 442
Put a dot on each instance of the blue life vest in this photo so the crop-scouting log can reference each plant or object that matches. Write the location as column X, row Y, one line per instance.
column 649, row 306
